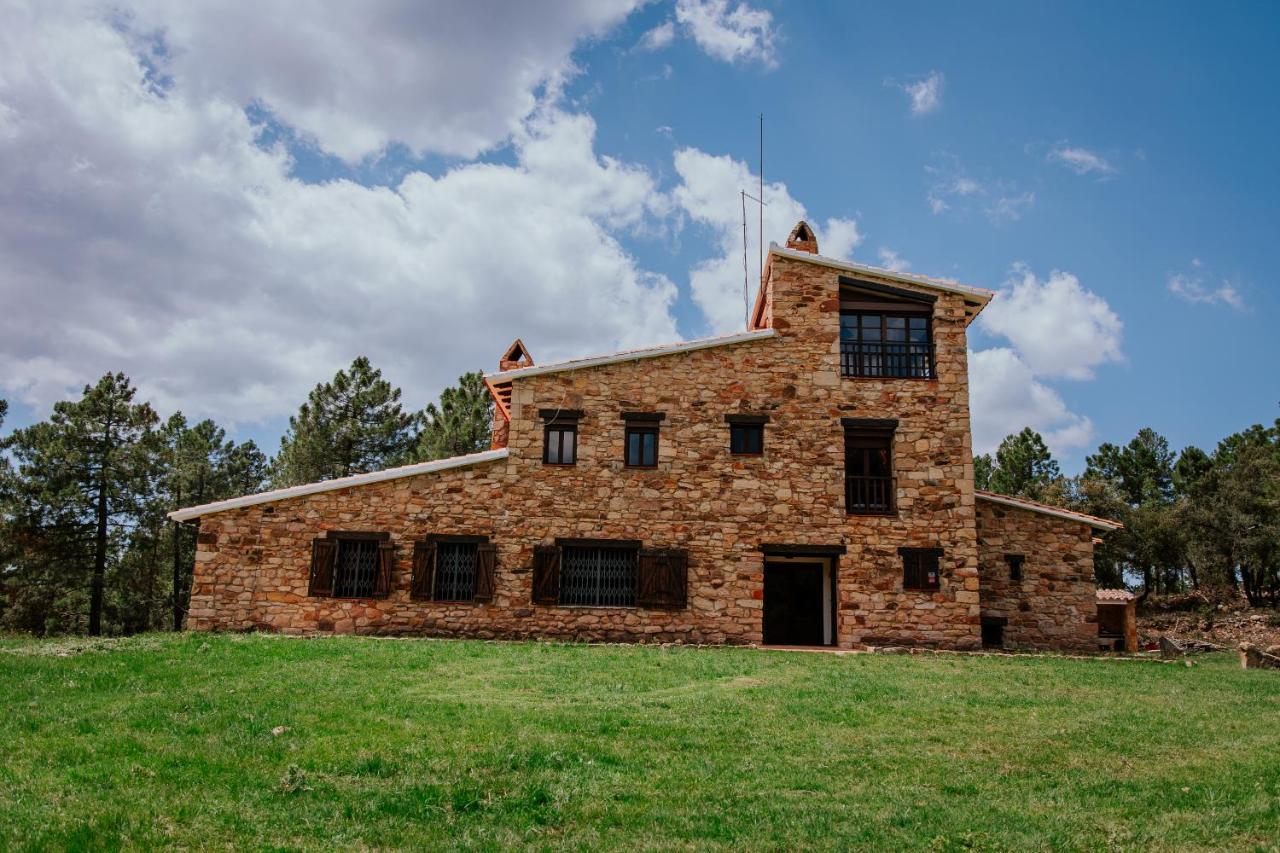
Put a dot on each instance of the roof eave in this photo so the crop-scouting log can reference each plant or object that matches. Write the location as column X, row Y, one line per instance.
column 193, row 512
column 1092, row 521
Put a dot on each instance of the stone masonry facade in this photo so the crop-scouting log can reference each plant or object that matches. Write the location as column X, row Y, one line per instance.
column 1054, row 603
column 252, row 562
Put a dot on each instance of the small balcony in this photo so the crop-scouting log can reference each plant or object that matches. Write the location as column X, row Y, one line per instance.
column 865, row 495
column 887, row 359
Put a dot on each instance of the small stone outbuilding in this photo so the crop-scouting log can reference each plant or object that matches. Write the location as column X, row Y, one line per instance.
column 807, row 481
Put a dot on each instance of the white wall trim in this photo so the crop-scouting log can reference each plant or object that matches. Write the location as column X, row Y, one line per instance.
column 632, row 355
column 342, row 483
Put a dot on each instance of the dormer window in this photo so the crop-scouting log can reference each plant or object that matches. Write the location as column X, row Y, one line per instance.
column 885, row 332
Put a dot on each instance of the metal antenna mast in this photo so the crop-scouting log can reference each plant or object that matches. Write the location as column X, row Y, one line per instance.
column 761, row 199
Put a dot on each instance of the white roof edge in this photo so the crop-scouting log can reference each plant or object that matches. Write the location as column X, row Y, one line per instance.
column 189, row 513
column 1030, row 506
column 631, row 355
column 980, row 293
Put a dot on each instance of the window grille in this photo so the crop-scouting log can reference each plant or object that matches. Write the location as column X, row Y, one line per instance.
column 455, row 571
column 886, row 345
column 356, row 572
column 598, row 576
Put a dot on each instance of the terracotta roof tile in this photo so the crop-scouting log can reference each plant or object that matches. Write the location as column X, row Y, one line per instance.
column 1049, row 509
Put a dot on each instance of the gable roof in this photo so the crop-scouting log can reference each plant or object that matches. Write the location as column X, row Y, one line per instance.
column 630, row 355
column 189, row 513
column 1047, row 509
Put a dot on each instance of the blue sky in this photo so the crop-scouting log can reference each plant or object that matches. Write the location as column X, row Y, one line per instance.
column 1125, row 148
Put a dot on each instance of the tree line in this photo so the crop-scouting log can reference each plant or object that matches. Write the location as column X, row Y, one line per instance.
column 85, row 544
column 1193, row 520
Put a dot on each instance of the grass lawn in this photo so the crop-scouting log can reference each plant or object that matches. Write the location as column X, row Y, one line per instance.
column 161, row 741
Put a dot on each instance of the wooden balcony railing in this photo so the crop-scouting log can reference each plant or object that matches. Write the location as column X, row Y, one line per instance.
column 869, row 495
column 884, row 359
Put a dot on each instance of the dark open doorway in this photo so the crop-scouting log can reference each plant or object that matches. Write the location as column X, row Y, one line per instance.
column 795, row 604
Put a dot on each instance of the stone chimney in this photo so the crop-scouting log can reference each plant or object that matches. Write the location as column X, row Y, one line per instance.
column 516, row 357
column 802, row 239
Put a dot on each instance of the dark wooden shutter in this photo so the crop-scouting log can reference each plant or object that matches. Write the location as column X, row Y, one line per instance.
column 386, row 569
column 546, row 574
column 486, row 567
column 324, row 554
column 424, row 569
column 662, row 578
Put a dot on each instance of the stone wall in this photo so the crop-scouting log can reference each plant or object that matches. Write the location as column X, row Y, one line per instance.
column 252, row 563
column 1054, row 606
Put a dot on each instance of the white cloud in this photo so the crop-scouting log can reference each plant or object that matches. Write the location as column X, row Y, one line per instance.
column 1010, row 208
column 1059, row 328
column 453, row 78
column 658, row 38
column 951, row 187
column 1082, row 161
column 147, row 231
column 730, row 33
column 708, row 195
column 1006, row 395
column 925, row 94
column 1196, row 289
column 891, row 260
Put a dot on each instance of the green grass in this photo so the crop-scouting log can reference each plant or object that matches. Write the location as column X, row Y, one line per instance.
column 163, row 741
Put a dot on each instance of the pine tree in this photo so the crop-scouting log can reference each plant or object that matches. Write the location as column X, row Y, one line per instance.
column 461, row 424
column 82, row 483
column 1024, row 467
column 350, row 425
column 200, row 465
column 983, row 466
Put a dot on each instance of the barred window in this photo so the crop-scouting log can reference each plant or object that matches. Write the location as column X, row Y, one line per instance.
column 602, row 575
column 920, row 568
column 455, row 578
column 352, row 565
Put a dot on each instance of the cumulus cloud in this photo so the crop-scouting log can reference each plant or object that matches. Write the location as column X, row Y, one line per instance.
column 925, row 94
column 1082, row 161
column 1198, row 287
column 355, row 77
column 1006, row 395
column 1058, row 328
column 708, row 196
column 145, row 228
column 891, row 260
column 731, row 33
column 657, row 38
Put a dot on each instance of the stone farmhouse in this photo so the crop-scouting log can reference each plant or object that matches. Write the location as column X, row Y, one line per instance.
column 808, row 481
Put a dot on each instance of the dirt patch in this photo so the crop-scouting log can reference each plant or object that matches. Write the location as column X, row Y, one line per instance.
column 1221, row 626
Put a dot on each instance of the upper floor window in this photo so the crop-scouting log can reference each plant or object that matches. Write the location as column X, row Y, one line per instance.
column 869, row 485
column 746, row 434
column 885, row 332
column 640, row 439
column 896, row 346
column 560, row 436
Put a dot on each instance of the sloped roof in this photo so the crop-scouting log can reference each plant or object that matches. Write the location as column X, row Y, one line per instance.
column 631, row 355
column 341, row 483
column 977, row 294
column 1119, row 595
column 1047, row 509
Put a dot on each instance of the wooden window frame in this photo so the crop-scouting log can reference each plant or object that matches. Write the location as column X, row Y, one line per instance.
column 641, row 423
column 921, row 569
column 906, row 312
column 424, row 585
column 883, row 433
column 1015, row 562
column 562, row 427
column 384, row 566
column 747, row 424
